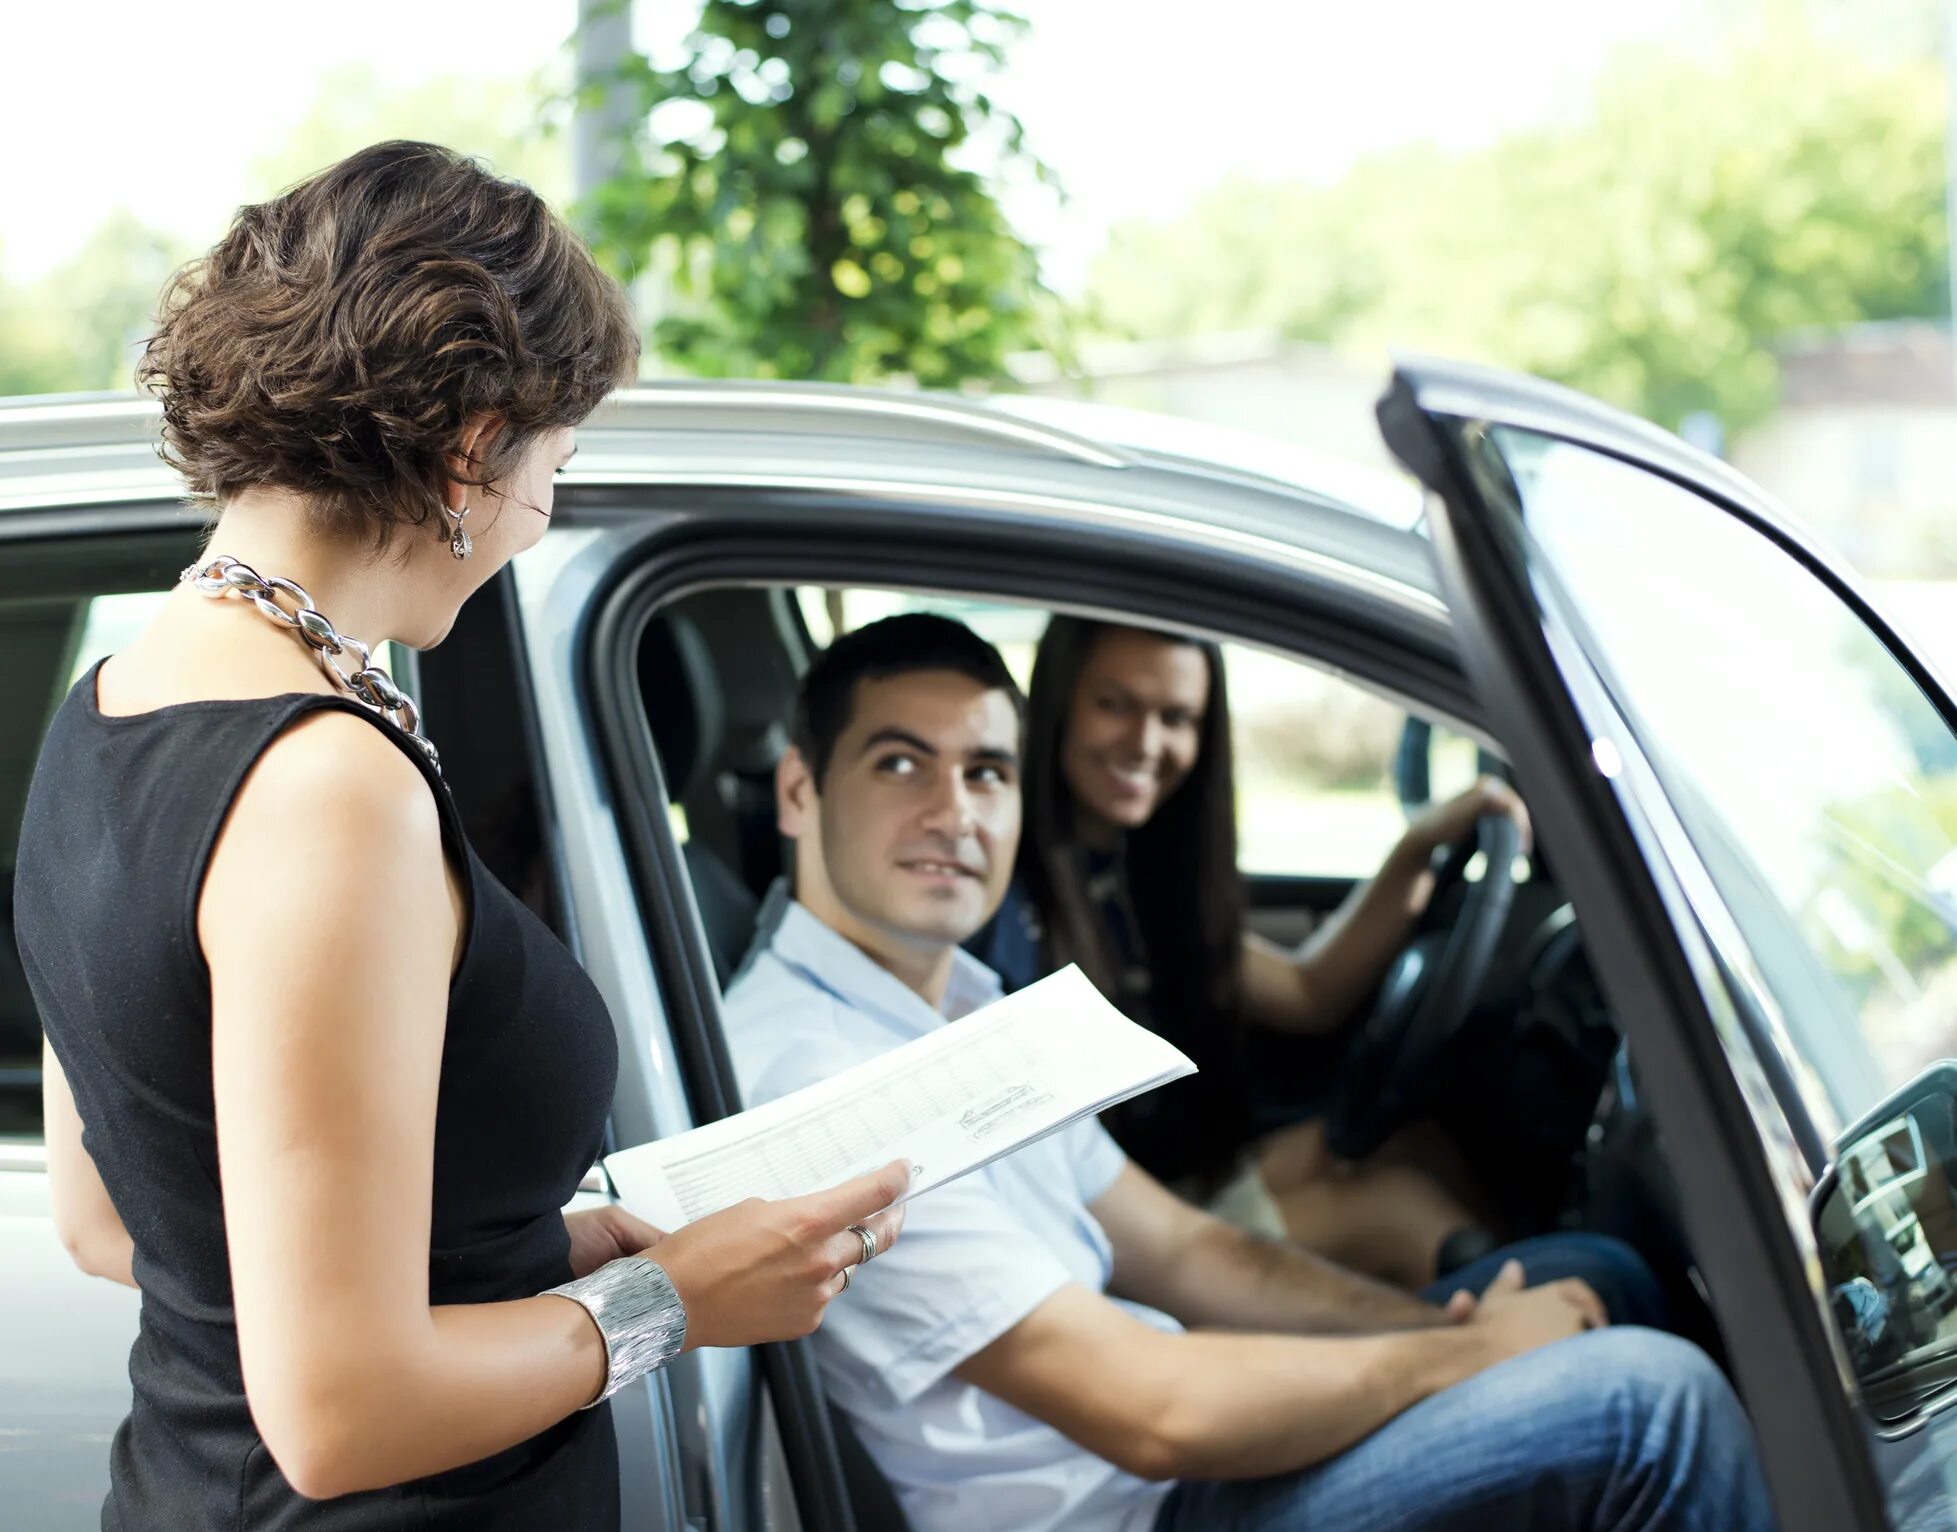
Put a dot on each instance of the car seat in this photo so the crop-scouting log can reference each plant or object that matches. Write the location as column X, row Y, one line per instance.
column 683, row 709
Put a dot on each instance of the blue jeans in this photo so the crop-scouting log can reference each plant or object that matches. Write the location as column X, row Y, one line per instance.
column 1615, row 1272
column 1618, row 1430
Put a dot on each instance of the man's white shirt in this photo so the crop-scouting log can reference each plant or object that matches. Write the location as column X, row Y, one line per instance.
column 975, row 1258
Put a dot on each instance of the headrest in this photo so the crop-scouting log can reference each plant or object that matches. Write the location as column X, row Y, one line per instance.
column 751, row 750
column 682, row 700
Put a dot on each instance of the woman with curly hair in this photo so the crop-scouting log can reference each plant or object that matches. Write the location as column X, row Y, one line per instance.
column 317, row 1084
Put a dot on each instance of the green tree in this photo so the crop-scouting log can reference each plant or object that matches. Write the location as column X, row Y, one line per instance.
column 1650, row 255
column 810, row 191
column 78, row 327
column 33, row 359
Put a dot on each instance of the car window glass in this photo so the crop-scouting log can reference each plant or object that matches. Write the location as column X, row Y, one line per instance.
column 109, row 623
column 1454, row 762
column 1316, row 795
column 1817, row 781
column 1315, row 752
column 1012, row 629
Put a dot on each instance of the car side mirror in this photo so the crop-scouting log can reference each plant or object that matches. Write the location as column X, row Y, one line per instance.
column 1885, row 1223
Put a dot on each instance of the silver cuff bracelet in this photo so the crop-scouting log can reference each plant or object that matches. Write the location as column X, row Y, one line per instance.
column 633, row 1303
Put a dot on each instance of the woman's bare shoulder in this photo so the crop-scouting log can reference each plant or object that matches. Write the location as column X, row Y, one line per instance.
column 336, row 784
column 333, row 846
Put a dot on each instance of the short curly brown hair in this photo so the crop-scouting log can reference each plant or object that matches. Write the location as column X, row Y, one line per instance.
column 338, row 338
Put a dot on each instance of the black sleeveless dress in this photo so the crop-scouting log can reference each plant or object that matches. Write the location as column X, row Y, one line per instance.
column 121, row 818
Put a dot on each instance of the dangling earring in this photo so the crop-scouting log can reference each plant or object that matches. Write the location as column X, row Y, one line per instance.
column 458, row 538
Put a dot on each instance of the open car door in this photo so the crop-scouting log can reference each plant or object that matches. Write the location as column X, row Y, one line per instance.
column 1747, row 781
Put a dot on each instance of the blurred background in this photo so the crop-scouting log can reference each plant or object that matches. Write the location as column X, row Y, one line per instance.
column 1731, row 216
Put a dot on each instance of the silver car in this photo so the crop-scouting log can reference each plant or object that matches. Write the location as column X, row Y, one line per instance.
column 1710, row 1014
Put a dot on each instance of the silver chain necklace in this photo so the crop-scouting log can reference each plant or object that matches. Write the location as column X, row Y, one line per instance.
column 369, row 685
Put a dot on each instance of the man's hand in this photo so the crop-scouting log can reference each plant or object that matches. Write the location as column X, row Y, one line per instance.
column 1464, row 1305
column 606, row 1234
column 1446, row 823
column 1518, row 1319
column 1509, row 1286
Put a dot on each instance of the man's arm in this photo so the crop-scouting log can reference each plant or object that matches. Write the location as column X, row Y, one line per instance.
column 1221, row 1406
column 1189, row 1263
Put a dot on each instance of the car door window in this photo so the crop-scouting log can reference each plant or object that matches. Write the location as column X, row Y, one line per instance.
column 1317, row 795
column 1816, row 783
column 1814, row 777
column 1012, row 629
column 109, row 622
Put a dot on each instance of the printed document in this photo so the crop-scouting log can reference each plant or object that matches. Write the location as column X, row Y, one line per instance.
column 948, row 1102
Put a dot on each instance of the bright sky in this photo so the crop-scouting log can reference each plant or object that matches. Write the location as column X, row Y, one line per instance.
column 1137, row 104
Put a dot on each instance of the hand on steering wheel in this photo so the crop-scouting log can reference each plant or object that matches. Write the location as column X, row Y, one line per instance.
column 1424, row 1003
column 1450, row 823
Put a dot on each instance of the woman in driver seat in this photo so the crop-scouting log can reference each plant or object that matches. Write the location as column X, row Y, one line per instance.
column 1129, row 868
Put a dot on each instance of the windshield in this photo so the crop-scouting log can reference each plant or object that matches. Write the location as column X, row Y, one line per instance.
column 1815, row 779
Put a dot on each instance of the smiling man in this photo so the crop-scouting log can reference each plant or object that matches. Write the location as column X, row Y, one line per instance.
column 901, row 793
column 1059, row 1341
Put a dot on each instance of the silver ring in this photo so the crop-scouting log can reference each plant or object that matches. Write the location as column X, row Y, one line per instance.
column 869, row 1242
column 846, row 1271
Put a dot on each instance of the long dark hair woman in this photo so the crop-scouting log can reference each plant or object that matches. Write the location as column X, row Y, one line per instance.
column 316, row 1083
column 1128, row 867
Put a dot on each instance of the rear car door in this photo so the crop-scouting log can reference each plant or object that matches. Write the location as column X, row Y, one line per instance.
column 1749, row 779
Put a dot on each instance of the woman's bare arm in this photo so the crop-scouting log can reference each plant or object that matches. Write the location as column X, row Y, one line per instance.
column 86, row 1221
column 330, row 924
column 1317, row 987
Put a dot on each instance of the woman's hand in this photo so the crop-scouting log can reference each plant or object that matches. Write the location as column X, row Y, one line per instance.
column 605, row 1234
column 765, row 1271
column 1446, row 823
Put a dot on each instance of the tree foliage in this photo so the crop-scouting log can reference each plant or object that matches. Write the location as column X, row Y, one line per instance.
column 77, row 328
column 810, row 191
column 1650, row 254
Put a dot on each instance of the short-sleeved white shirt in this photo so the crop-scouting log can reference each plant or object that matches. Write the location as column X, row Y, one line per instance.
column 976, row 1256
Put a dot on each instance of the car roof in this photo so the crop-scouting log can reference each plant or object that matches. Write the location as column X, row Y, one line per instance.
column 1188, row 480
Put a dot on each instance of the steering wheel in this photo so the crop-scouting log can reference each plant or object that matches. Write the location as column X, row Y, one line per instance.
column 1425, row 999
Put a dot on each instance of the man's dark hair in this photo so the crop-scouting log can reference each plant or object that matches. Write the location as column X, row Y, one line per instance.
column 896, row 646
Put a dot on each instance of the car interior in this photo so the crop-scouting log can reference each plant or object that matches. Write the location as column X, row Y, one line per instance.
column 1528, row 1074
